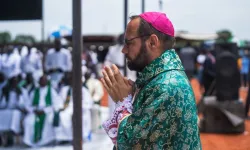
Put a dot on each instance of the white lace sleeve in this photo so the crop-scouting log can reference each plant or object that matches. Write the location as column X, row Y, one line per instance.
column 122, row 109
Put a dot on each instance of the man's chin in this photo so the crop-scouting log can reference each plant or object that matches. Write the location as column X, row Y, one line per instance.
column 130, row 66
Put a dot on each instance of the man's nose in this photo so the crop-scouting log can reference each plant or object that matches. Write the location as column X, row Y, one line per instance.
column 124, row 50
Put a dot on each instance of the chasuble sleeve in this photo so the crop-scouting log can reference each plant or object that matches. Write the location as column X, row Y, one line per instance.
column 166, row 119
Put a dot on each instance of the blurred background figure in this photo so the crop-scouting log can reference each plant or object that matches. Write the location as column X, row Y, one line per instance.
column 58, row 61
column 38, row 123
column 63, row 117
column 12, row 108
column 32, row 63
column 188, row 56
column 11, row 62
column 244, row 69
column 89, row 62
column 209, row 71
column 96, row 90
column 200, row 62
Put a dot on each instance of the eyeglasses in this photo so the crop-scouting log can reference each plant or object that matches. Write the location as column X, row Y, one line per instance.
column 126, row 41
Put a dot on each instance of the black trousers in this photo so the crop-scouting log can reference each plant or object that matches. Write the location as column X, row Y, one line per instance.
column 247, row 103
column 244, row 79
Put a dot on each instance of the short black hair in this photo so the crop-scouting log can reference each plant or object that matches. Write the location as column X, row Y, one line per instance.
column 146, row 28
column 120, row 39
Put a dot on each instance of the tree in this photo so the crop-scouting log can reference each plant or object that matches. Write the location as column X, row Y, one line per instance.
column 224, row 36
column 5, row 37
column 25, row 39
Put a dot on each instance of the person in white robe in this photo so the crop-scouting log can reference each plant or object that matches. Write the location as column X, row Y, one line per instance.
column 32, row 63
column 87, row 104
column 38, row 123
column 96, row 90
column 64, row 126
column 28, row 83
column 11, row 63
column 12, row 107
column 57, row 62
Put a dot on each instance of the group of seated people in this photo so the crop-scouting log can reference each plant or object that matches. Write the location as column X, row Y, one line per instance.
column 39, row 113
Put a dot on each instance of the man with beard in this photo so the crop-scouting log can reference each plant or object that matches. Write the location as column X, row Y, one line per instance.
column 115, row 56
column 158, row 111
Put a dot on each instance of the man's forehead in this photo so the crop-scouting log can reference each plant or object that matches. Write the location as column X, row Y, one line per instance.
column 132, row 27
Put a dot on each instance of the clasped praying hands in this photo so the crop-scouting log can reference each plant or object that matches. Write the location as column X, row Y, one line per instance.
column 117, row 86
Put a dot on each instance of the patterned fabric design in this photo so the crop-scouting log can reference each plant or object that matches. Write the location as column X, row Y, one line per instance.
column 122, row 110
column 164, row 111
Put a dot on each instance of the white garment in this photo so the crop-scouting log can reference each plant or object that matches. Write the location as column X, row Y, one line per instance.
column 87, row 104
column 65, row 129
column 58, row 59
column 24, row 51
column 61, row 59
column 115, row 55
column 11, row 65
column 96, row 90
column 32, row 63
column 14, row 100
column 93, row 56
column 9, row 114
column 48, row 134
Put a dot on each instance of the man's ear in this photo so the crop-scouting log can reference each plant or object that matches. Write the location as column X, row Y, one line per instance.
column 154, row 41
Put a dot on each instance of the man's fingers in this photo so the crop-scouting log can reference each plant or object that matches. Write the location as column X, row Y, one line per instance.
column 117, row 73
column 106, row 78
column 125, row 79
column 104, row 84
column 110, row 74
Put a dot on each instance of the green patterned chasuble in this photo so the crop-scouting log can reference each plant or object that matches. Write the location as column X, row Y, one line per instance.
column 164, row 110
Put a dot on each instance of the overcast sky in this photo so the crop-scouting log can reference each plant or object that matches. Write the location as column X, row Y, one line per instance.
column 106, row 16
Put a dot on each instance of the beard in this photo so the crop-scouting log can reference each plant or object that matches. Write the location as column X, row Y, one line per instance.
column 140, row 61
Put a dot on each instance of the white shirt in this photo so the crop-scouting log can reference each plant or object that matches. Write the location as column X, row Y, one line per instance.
column 31, row 63
column 61, row 59
column 87, row 101
column 14, row 100
column 115, row 56
column 11, row 65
